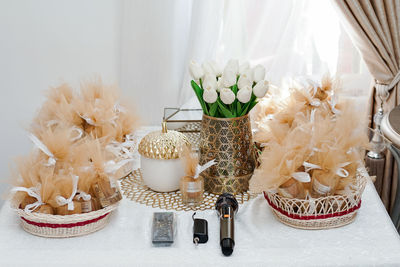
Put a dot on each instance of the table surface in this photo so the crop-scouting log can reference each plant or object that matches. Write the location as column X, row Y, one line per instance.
column 371, row 240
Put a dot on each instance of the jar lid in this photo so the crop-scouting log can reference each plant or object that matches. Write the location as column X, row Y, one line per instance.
column 163, row 144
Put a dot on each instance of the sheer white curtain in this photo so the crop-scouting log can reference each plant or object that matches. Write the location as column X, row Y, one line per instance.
column 289, row 37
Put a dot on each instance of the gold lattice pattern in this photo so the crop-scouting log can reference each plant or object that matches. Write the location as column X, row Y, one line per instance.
column 229, row 142
column 134, row 189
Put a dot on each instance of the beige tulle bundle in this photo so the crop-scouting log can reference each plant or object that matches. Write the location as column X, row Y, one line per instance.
column 313, row 142
column 71, row 133
column 190, row 162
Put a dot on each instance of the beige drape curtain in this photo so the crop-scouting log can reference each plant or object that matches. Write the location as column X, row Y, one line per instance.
column 374, row 26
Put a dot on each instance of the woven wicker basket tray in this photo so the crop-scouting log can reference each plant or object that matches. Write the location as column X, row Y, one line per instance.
column 319, row 213
column 47, row 225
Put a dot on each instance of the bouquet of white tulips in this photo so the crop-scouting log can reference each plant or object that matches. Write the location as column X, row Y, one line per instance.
column 230, row 92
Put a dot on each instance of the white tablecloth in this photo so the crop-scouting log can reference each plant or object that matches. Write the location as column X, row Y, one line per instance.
column 260, row 240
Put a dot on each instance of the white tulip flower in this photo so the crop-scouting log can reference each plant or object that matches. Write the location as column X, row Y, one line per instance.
column 220, row 84
column 249, row 73
column 228, row 78
column 227, row 96
column 258, row 73
column 208, row 68
column 217, row 68
column 233, row 65
column 244, row 81
column 210, row 95
column 243, row 67
column 195, row 70
column 244, row 94
column 261, row 88
column 210, row 82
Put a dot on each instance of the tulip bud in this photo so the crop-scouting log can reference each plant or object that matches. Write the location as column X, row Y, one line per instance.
column 243, row 67
column 217, row 68
column 258, row 73
column 227, row 96
column 233, row 65
column 208, row 68
column 261, row 88
column 195, row 70
column 210, row 82
column 220, row 84
column 244, row 81
column 228, row 78
column 210, row 95
column 249, row 73
column 244, row 94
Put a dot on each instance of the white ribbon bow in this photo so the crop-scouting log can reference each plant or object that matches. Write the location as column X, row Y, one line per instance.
column 33, row 192
column 88, row 120
column 62, row 201
column 311, row 203
column 332, row 103
column 111, row 167
column 304, row 177
column 52, row 122
column 309, row 166
column 83, row 195
column 79, row 135
column 118, row 108
column 52, row 159
column 200, row 169
column 342, row 172
column 122, row 150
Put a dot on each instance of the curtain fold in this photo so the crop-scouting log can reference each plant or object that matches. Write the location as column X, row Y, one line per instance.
column 374, row 27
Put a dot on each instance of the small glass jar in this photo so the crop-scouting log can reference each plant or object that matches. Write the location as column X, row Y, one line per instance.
column 192, row 190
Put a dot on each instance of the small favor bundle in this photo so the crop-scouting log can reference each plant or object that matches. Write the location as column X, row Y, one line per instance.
column 192, row 184
column 312, row 143
column 81, row 142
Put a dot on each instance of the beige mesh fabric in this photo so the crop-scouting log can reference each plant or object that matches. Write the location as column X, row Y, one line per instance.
column 374, row 27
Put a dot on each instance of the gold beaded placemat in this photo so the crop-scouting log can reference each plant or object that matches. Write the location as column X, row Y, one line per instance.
column 134, row 189
column 192, row 132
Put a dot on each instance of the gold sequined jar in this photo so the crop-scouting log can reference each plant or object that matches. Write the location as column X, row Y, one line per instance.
column 160, row 164
column 229, row 142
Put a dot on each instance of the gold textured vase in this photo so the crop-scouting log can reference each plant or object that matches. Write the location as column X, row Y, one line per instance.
column 229, row 142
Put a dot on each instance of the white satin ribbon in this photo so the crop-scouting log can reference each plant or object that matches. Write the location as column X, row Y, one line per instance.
column 200, row 169
column 33, row 192
column 111, row 167
column 118, row 108
column 315, row 103
column 342, row 172
column 332, row 103
column 122, row 150
column 52, row 159
column 311, row 203
column 310, row 166
column 302, row 177
column 51, row 123
column 69, row 201
column 83, row 195
column 88, row 120
column 79, row 135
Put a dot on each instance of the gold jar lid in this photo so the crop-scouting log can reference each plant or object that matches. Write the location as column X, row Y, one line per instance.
column 163, row 144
